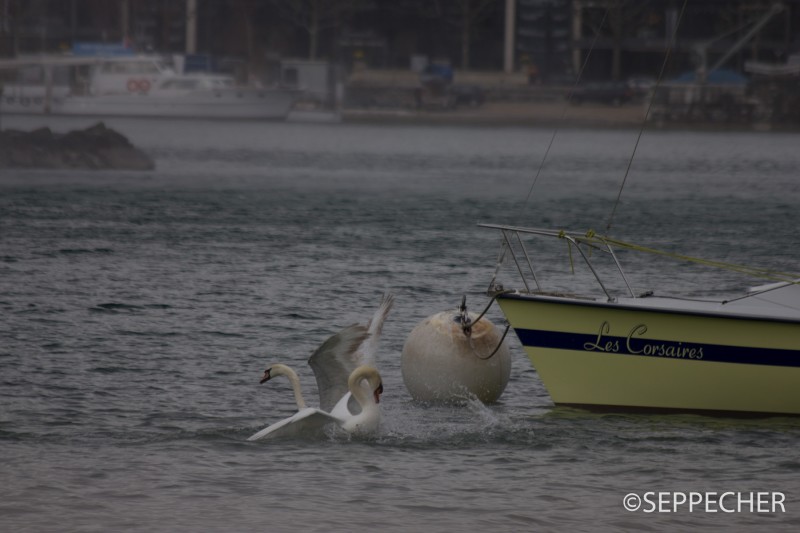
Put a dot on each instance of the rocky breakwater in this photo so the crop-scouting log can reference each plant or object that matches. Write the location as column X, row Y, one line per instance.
column 96, row 147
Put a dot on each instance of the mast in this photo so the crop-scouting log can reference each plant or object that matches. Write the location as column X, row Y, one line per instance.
column 508, row 48
column 191, row 26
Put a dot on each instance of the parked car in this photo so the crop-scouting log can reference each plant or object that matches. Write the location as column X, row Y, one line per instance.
column 607, row 92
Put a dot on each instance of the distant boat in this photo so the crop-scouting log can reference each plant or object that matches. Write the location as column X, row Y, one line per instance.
column 138, row 86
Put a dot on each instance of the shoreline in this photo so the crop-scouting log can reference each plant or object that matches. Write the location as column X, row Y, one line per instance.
column 541, row 114
column 545, row 114
column 506, row 113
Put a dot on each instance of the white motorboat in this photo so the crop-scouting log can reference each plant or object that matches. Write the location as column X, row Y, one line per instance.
column 141, row 86
column 187, row 96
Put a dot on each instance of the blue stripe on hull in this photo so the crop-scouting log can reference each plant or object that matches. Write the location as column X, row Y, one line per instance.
column 634, row 346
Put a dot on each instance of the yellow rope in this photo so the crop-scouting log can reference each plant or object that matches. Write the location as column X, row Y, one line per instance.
column 592, row 238
column 764, row 273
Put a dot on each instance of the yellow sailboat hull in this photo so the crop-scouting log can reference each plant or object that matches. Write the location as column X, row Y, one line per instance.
column 603, row 354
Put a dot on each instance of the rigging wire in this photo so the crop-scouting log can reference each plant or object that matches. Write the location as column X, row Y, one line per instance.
column 667, row 56
column 504, row 248
column 566, row 105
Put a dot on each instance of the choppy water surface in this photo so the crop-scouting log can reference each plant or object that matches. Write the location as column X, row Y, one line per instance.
column 140, row 309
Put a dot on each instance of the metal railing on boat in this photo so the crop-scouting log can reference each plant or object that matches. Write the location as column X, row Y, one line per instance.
column 576, row 239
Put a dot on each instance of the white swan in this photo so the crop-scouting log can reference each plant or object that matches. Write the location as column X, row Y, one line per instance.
column 341, row 354
column 334, row 364
column 311, row 421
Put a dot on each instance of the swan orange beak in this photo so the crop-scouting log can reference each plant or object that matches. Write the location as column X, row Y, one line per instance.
column 265, row 377
column 377, row 393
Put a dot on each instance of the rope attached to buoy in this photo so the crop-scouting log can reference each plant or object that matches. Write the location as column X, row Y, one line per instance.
column 466, row 322
column 499, row 344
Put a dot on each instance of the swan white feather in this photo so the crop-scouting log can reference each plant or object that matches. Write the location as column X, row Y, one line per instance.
column 347, row 398
column 305, row 422
column 341, row 354
column 310, row 421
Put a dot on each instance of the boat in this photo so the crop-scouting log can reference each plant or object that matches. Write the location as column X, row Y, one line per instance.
column 141, row 86
column 640, row 351
column 598, row 343
column 186, row 96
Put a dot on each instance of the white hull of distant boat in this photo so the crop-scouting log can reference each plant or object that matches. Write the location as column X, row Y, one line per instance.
column 141, row 86
column 225, row 103
column 741, row 355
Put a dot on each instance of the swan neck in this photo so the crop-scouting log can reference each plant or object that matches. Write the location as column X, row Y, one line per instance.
column 295, row 382
column 298, row 393
column 363, row 395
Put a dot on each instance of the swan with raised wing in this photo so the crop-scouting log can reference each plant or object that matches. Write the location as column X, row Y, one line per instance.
column 335, row 360
column 311, row 421
column 348, row 383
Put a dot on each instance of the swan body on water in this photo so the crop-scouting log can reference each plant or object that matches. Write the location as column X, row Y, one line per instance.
column 348, row 383
column 309, row 421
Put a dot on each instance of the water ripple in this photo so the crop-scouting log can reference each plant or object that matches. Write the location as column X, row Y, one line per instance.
column 139, row 310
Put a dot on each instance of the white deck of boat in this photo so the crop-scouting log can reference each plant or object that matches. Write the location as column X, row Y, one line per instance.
column 779, row 301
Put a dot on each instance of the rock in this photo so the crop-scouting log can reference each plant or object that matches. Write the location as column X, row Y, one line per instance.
column 96, row 147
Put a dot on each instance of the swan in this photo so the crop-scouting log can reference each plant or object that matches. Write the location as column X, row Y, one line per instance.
column 310, row 420
column 336, row 359
column 369, row 416
column 335, row 364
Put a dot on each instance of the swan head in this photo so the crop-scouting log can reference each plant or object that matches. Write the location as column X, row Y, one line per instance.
column 267, row 376
column 372, row 377
column 275, row 370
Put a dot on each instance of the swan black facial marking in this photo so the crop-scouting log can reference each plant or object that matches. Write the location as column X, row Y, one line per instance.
column 266, row 377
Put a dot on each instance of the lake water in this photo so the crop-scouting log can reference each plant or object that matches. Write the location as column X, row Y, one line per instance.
column 139, row 310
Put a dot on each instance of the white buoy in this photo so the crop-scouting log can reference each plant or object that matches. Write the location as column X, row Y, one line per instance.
column 440, row 363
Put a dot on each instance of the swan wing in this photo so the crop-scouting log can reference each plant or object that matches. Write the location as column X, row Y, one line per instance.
column 305, row 422
column 334, row 361
column 346, row 407
column 369, row 348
